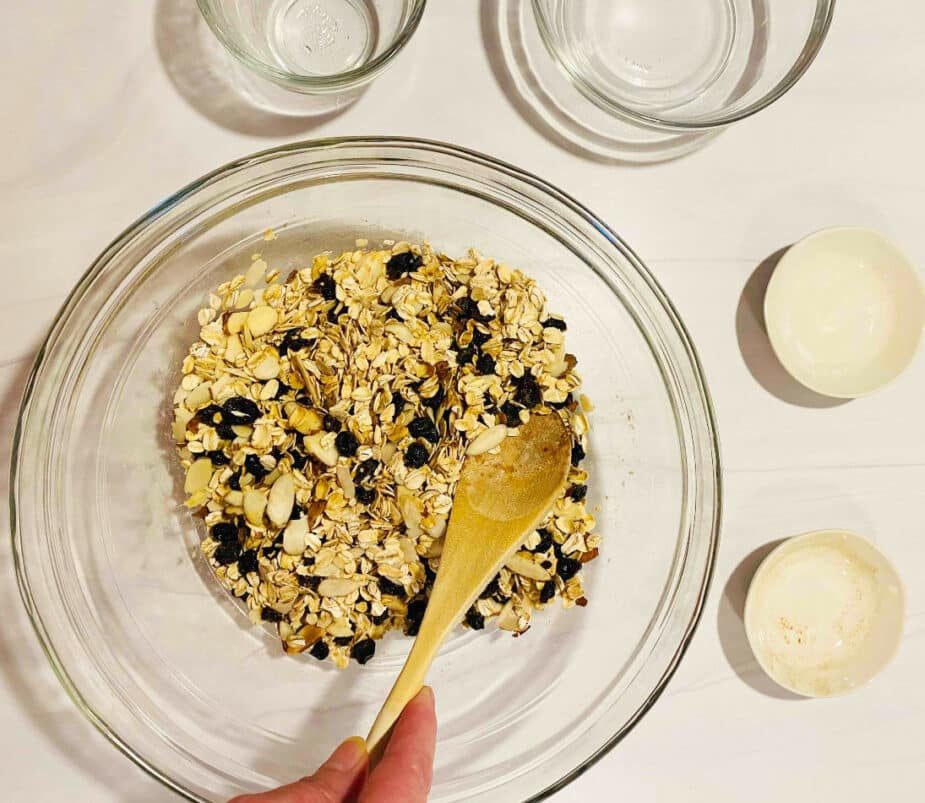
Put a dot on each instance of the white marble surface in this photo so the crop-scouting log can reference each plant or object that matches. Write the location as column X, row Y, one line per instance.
column 94, row 133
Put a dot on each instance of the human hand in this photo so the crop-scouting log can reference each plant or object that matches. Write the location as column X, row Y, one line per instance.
column 404, row 773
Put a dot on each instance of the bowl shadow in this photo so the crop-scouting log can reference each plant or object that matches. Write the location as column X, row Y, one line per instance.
column 756, row 349
column 198, row 78
column 731, row 626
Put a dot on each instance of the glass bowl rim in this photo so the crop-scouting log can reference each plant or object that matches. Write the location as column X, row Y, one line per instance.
column 318, row 83
column 822, row 21
column 500, row 171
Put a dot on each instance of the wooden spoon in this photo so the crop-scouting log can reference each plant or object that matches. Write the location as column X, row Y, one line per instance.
column 499, row 501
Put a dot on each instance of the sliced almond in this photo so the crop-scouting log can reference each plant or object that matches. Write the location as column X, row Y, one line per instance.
column 244, row 298
column 267, row 368
column 281, row 500
column 345, row 481
column 319, row 447
column 199, row 396
column 523, row 565
column 508, row 618
column 261, row 320
column 183, row 417
column 304, row 420
column 338, row 586
column 411, row 509
column 234, row 498
column 255, row 272
column 269, row 390
column 233, row 348
column 255, row 502
column 236, row 322
column 198, row 475
column 294, row 536
column 488, row 440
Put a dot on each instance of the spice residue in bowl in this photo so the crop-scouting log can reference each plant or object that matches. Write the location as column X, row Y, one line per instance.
column 322, row 422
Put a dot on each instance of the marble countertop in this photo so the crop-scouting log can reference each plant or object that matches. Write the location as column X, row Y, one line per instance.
column 104, row 118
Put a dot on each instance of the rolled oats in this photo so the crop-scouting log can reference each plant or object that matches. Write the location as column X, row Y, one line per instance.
column 323, row 420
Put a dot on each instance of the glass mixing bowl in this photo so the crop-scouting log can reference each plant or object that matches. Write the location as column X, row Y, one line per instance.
column 156, row 654
column 686, row 66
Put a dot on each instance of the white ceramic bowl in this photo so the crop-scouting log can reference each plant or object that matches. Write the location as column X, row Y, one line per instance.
column 824, row 613
column 844, row 311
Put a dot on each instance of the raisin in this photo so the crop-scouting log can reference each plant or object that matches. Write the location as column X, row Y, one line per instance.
column 485, row 364
column 416, row 456
column 466, row 308
column 366, row 469
column 225, row 533
column 211, row 414
column 564, row 403
column 330, row 423
column 567, row 568
column 399, row 401
column 320, row 650
column 363, row 650
column 270, row 615
column 298, row 460
column 415, row 615
column 381, row 619
column 346, row 443
column 307, row 581
column 364, row 495
column 511, row 414
column 326, row 287
column 394, row 315
column 248, row 562
column 545, row 540
column 218, row 458
column 429, row 574
column 578, row 492
column 241, row 411
column 548, row 591
column 225, row 432
column 254, row 467
column 334, row 314
column 234, row 482
column 283, row 390
column 554, row 323
column 479, row 338
column 474, row 619
column 424, row 427
column 227, row 553
column 293, row 341
column 491, row 589
column 528, row 392
column 400, row 264
column 387, row 586
column 578, row 454
column 436, row 400
column 343, row 641
column 465, row 355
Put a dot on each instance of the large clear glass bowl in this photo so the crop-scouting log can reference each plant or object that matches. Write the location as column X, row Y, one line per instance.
column 153, row 651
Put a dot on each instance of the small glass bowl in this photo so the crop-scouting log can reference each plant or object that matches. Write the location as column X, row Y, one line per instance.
column 155, row 652
column 309, row 56
column 686, row 66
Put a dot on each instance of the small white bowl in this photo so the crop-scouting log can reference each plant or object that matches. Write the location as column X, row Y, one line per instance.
column 844, row 311
column 824, row 613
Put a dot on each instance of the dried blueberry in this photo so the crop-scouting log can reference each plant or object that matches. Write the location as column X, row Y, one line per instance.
column 567, row 568
column 282, row 390
column 474, row 619
column 211, row 414
column 465, row 355
column 218, row 458
column 326, row 287
column 319, row 650
column 548, row 591
column 270, row 615
column 554, row 323
column 466, row 308
column 387, row 586
column 254, row 467
column 578, row 454
column 343, row 641
column 415, row 615
column 227, row 553
column 308, row 581
column 479, row 338
column 330, row 423
column 234, row 482
column 363, row 650
column 241, row 411
column 399, row 401
column 346, row 443
column 511, row 414
column 364, row 495
column 491, row 589
column 366, row 469
column 528, row 393
column 382, row 618
column 485, row 364
column 293, row 341
column 225, row 432
column 578, row 492
column 225, row 532
column 417, row 455
column 400, row 264
column 545, row 540
column 424, row 427
column 248, row 562
column 298, row 460
column 433, row 402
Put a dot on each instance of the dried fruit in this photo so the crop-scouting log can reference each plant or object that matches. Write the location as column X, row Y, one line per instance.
column 416, row 455
column 363, row 650
column 346, row 443
column 424, row 427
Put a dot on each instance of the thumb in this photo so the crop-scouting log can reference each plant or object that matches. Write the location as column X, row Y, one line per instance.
column 338, row 780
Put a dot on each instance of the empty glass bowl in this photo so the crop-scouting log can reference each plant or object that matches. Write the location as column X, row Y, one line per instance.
column 157, row 655
column 688, row 65
column 309, row 56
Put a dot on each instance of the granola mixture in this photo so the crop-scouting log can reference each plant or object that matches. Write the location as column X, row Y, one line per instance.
column 322, row 422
